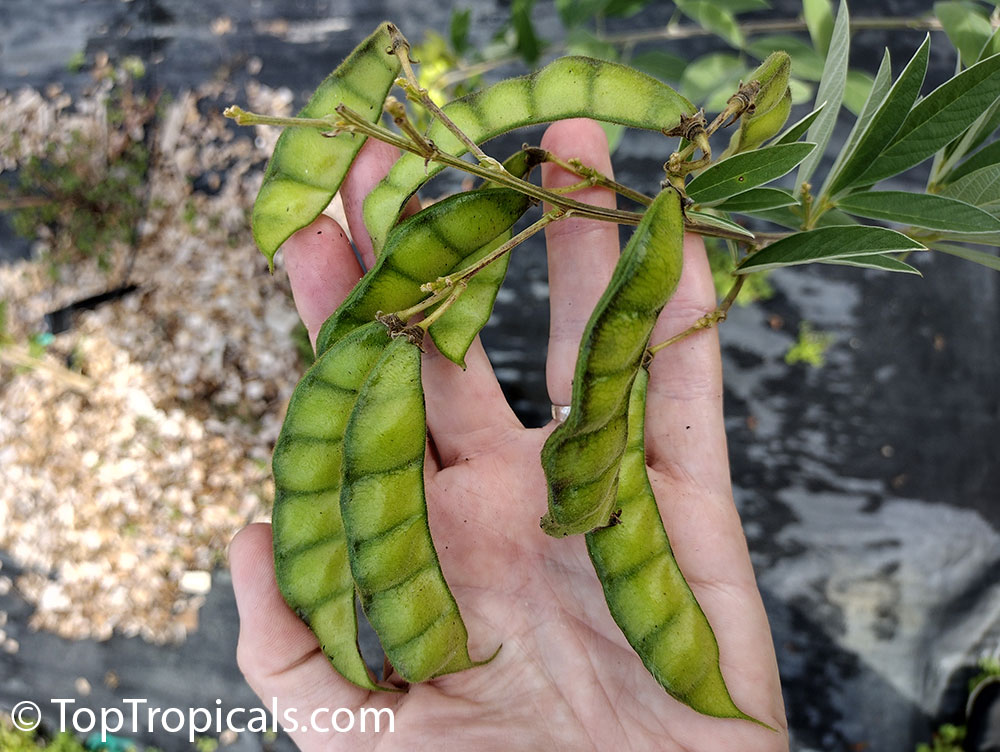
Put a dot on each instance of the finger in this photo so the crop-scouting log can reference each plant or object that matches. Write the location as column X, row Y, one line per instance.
column 686, row 444
column 322, row 269
column 277, row 653
column 467, row 412
column 370, row 166
column 582, row 253
column 685, row 429
column 465, row 409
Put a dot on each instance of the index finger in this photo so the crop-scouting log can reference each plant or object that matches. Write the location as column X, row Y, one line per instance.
column 321, row 264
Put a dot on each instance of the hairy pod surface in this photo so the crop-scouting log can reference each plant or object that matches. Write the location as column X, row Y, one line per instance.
column 772, row 74
column 754, row 131
column 395, row 567
column 581, row 456
column 566, row 88
column 306, row 167
column 645, row 590
column 444, row 237
column 310, row 548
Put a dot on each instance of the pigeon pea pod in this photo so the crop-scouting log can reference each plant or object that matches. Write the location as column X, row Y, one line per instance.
column 310, row 550
column 443, row 237
column 581, row 456
column 455, row 330
column 396, row 570
column 566, row 88
column 307, row 168
column 645, row 590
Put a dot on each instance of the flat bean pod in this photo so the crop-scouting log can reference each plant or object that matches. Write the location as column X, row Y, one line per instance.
column 568, row 87
column 307, row 168
column 445, row 236
column 310, row 550
column 392, row 556
column 646, row 591
column 581, row 457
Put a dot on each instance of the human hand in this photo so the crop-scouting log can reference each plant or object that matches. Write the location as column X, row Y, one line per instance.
column 565, row 678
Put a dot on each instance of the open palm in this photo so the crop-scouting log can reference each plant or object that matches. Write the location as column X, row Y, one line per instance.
column 565, row 678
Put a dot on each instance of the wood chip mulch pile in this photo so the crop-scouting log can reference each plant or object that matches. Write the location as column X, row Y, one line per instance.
column 139, row 442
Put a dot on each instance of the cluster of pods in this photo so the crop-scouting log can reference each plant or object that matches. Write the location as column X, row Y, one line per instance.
column 350, row 516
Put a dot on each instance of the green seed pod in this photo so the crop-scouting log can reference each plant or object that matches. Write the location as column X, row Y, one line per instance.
column 581, row 457
column 307, row 168
column 646, row 591
column 457, row 327
column 444, row 237
column 756, row 130
column 310, row 551
column 392, row 556
column 566, row 88
column 772, row 75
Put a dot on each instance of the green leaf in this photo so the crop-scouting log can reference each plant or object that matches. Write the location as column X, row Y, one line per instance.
column 624, row 8
column 712, row 220
column 802, row 92
column 795, row 131
column 856, row 91
column 575, row 12
column 582, row 42
column 826, row 244
column 937, row 119
column 969, row 254
column 991, row 47
column 819, row 21
column 744, row 171
column 920, row 210
column 975, row 135
column 528, row 45
column 882, row 262
column 880, row 87
column 985, row 157
column 757, row 199
column 831, row 91
column 662, row 65
column 711, row 16
column 742, row 6
column 614, row 133
column 806, row 62
column 979, row 187
column 459, row 31
column 710, row 72
column 883, row 126
column 966, row 27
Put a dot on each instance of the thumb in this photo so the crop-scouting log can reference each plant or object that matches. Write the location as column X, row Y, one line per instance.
column 280, row 658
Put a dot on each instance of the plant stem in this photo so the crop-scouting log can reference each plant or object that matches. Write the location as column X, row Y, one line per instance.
column 423, row 305
column 591, row 177
column 675, row 30
column 20, row 357
column 705, row 322
column 352, row 121
column 242, row 117
column 459, row 277
column 24, row 202
column 458, row 289
column 751, row 28
column 400, row 47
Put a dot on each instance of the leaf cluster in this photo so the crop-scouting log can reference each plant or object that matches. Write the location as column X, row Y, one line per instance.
column 895, row 128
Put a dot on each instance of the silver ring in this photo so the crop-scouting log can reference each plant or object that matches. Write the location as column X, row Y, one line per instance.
column 560, row 413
